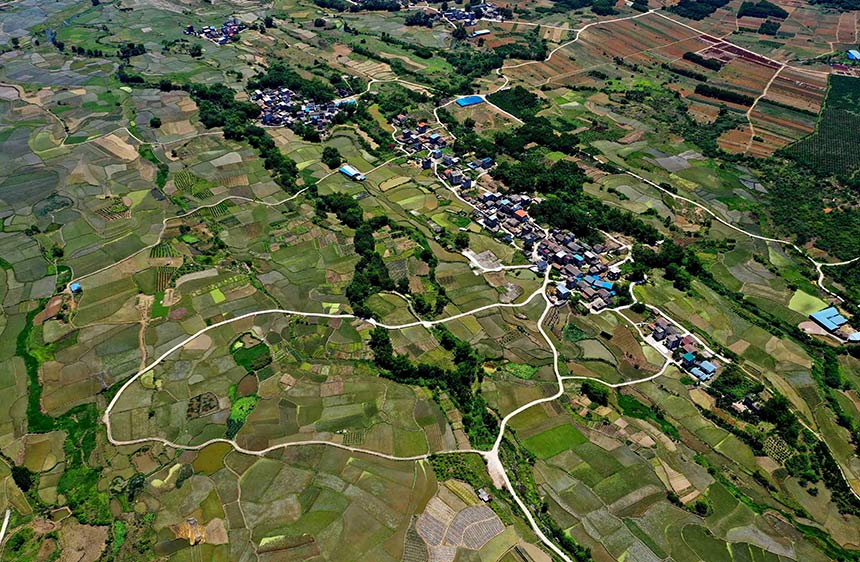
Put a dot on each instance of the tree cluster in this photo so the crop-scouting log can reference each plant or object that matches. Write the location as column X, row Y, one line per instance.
column 376, row 6
column 480, row 423
column 517, row 101
column 128, row 50
column 535, row 47
column 371, row 274
column 696, row 58
column 331, row 157
column 761, row 9
column 697, row 9
column 419, row 18
column 279, row 75
column 566, row 205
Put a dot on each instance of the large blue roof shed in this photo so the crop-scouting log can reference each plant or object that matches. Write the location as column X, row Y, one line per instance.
column 469, row 100
column 853, row 54
column 829, row 318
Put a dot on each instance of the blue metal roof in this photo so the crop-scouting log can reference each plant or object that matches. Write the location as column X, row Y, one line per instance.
column 708, row 367
column 830, row 318
column 854, row 54
column 689, row 357
column 469, row 100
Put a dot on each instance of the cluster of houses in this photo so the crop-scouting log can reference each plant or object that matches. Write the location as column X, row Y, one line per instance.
column 419, row 138
column 477, row 12
column 220, row 35
column 585, row 270
column 282, row 106
column 588, row 271
column 453, row 171
column 684, row 348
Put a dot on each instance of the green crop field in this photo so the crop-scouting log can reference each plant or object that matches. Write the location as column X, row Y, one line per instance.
column 553, row 441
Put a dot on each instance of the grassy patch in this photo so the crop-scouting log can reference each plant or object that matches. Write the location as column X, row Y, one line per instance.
column 158, row 308
column 553, row 441
column 519, row 370
column 574, row 333
column 252, row 358
column 636, row 409
column 805, row 303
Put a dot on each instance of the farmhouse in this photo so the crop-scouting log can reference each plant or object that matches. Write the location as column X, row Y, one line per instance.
column 830, row 319
column 835, row 323
column 470, row 100
column 351, row 173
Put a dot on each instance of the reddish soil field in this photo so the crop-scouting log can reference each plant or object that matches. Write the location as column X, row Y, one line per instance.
column 847, row 28
column 816, row 25
column 703, row 113
column 745, row 76
column 674, row 51
column 734, row 141
column 798, row 89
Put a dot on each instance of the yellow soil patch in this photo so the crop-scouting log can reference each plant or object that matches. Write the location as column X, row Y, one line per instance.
column 82, row 543
column 677, row 481
column 8, row 93
column 186, row 104
column 392, row 183
column 200, row 343
column 183, row 127
column 702, row 398
column 739, row 346
column 768, row 464
column 118, row 146
column 782, row 352
column 83, row 173
column 216, row 532
column 235, row 181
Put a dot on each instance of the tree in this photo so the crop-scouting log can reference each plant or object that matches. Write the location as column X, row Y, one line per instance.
column 331, row 157
column 596, row 392
column 155, row 122
column 196, row 51
column 459, row 33
column 16, row 42
column 419, row 18
column 422, row 306
column 269, row 21
column 701, row 508
column 461, row 240
column 319, row 22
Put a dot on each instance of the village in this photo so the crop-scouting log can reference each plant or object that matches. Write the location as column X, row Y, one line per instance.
column 586, row 270
column 484, row 11
column 218, row 35
column 284, row 107
column 672, row 340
